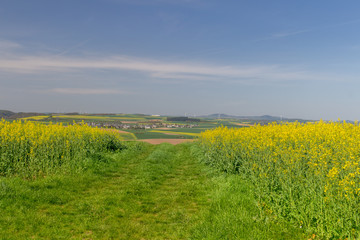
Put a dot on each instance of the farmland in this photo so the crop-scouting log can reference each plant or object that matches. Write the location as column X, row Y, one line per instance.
column 67, row 179
column 140, row 126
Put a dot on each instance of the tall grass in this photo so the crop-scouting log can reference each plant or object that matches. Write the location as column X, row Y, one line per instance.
column 308, row 174
column 29, row 149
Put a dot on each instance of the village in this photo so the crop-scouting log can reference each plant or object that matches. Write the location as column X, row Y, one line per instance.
column 139, row 125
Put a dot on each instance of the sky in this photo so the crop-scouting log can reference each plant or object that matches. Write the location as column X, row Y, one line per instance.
column 296, row 59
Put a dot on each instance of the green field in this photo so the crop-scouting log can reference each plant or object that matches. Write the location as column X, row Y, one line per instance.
column 142, row 192
column 175, row 132
column 148, row 134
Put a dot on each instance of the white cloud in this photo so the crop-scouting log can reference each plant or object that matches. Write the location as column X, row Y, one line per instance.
column 86, row 91
column 157, row 69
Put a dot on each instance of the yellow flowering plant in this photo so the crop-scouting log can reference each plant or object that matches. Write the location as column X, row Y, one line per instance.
column 30, row 148
column 307, row 173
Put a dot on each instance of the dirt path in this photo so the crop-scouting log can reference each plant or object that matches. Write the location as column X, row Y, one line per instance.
column 120, row 131
column 171, row 141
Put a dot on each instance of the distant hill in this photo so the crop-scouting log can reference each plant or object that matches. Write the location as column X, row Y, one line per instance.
column 6, row 113
column 259, row 118
column 12, row 115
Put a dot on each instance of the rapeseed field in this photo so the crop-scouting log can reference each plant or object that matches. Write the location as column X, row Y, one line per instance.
column 306, row 173
column 29, row 149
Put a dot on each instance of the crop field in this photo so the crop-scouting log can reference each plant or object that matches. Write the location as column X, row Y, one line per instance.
column 307, row 174
column 231, row 123
column 132, row 118
column 29, row 149
column 35, row 117
column 102, row 118
column 153, row 134
column 184, row 130
column 176, row 132
column 193, row 132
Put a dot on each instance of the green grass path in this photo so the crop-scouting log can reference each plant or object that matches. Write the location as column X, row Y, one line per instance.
column 145, row 192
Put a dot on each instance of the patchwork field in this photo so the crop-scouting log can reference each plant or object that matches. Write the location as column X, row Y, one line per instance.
column 134, row 124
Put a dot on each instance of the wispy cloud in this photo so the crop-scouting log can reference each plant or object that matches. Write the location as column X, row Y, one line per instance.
column 72, row 48
column 287, row 34
column 184, row 76
column 8, row 45
column 283, row 35
column 154, row 69
column 86, row 91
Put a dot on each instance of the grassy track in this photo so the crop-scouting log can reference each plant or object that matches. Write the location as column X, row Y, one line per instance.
column 144, row 192
column 152, row 193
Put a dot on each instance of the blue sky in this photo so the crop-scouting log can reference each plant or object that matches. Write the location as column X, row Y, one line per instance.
column 283, row 58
